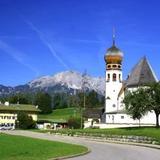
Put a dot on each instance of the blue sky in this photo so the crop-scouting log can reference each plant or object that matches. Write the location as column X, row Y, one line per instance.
column 43, row 37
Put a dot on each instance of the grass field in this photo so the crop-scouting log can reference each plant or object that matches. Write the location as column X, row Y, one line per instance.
column 23, row 148
column 60, row 114
column 137, row 131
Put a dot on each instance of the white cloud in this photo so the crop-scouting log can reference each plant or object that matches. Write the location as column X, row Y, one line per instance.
column 48, row 44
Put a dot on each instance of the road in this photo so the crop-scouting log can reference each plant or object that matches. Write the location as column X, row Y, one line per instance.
column 99, row 150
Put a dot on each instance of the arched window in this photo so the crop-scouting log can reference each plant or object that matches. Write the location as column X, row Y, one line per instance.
column 108, row 77
column 120, row 77
column 114, row 77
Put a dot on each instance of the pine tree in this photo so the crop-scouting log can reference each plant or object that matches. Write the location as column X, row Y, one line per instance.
column 43, row 100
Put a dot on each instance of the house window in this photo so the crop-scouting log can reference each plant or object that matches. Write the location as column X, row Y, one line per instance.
column 114, row 77
column 122, row 117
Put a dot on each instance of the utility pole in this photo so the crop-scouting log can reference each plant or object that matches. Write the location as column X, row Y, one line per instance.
column 84, row 81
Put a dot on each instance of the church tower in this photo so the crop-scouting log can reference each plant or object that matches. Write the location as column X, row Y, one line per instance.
column 113, row 59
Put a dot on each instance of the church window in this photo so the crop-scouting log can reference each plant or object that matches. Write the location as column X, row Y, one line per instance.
column 120, row 77
column 108, row 77
column 114, row 66
column 114, row 77
column 114, row 105
column 109, row 66
column 119, row 66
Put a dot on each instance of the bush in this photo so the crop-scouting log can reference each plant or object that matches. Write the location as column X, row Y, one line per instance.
column 74, row 122
column 24, row 121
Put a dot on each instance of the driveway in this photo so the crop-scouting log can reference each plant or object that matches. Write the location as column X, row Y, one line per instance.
column 99, row 150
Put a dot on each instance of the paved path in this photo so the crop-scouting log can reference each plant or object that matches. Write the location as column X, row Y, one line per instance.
column 100, row 150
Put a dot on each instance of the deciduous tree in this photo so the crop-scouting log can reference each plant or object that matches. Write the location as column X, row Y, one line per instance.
column 136, row 103
column 154, row 100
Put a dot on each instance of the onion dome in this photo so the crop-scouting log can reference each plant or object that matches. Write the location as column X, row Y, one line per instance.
column 113, row 55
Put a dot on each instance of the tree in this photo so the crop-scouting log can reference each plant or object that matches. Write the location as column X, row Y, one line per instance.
column 154, row 100
column 24, row 121
column 74, row 122
column 92, row 99
column 43, row 100
column 60, row 101
column 18, row 98
column 136, row 103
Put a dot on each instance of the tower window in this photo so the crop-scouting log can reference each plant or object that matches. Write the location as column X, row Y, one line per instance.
column 114, row 66
column 109, row 66
column 114, row 77
column 120, row 77
column 108, row 77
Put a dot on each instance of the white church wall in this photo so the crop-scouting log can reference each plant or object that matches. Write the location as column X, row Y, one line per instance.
column 122, row 118
column 112, row 89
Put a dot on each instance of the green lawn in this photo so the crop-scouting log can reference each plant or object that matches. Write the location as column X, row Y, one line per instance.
column 23, row 148
column 60, row 115
column 137, row 131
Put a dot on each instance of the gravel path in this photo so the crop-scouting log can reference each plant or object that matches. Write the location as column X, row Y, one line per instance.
column 99, row 150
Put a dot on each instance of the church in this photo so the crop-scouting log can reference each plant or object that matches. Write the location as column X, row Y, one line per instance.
column 141, row 74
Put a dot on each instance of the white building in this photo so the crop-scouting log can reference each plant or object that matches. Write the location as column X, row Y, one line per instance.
column 8, row 114
column 140, row 75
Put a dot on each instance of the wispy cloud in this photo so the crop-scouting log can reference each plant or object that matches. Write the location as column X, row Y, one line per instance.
column 48, row 43
column 17, row 55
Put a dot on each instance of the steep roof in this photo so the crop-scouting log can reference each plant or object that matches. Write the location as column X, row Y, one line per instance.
column 93, row 113
column 141, row 74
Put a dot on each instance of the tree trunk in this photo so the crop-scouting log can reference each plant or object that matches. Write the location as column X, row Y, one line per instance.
column 139, row 122
column 157, row 120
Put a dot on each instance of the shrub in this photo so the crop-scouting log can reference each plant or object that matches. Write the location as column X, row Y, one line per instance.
column 24, row 121
column 74, row 122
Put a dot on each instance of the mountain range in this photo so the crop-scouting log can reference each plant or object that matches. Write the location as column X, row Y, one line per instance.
column 68, row 82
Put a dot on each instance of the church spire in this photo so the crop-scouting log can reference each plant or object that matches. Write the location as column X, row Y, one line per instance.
column 113, row 36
